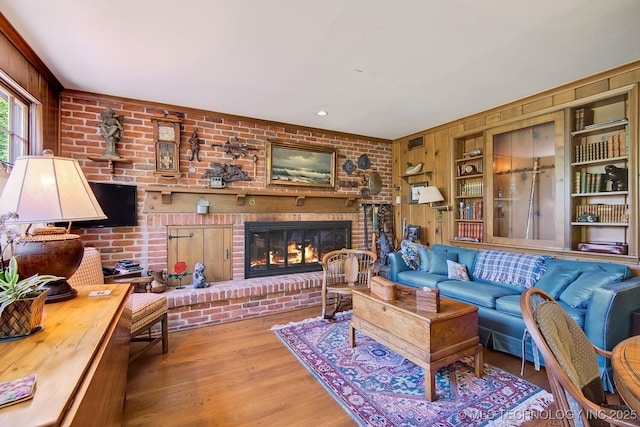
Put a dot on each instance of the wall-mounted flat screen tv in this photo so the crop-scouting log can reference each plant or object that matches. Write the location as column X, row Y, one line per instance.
column 119, row 203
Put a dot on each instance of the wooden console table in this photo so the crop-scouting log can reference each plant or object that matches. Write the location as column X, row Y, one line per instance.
column 80, row 359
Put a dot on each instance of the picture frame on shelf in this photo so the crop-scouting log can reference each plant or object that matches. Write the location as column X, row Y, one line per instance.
column 294, row 164
column 415, row 190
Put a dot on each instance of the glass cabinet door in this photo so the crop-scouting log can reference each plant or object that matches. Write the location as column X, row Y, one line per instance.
column 525, row 190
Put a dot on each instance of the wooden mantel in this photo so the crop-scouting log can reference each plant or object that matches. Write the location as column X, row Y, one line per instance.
column 171, row 199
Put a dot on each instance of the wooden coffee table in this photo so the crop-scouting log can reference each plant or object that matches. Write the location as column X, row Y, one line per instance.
column 428, row 339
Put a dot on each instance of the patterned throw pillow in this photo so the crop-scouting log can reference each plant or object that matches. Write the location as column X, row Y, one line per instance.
column 409, row 251
column 457, row 271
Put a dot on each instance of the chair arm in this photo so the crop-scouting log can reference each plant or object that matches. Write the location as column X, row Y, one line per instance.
column 601, row 352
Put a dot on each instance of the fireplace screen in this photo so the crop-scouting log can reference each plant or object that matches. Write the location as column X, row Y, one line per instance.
column 273, row 248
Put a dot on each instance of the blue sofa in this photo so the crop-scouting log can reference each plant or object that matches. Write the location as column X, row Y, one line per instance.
column 600, row 296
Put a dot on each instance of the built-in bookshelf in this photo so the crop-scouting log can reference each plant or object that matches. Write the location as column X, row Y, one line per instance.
column 600, row 170
column 469, row 167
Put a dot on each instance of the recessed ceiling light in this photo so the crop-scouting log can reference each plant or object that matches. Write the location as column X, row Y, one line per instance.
column 322, row 113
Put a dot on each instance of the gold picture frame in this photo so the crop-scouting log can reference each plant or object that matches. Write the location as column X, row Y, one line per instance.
column 295, row 164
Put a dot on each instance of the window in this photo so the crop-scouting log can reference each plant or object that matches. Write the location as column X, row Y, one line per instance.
column 14, row 126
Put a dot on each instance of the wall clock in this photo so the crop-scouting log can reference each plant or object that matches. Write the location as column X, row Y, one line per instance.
column 166, row 135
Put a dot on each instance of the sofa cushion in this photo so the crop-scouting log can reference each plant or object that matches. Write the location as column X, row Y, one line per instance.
column 511, row 305
column 438, row 262
column 480, row 294
column 509, row 267
column 425, row 259
column 419, row 279
column 465, row 256
column 457, row 271
column 556, row 279
column 579, row 292
column 409, row 251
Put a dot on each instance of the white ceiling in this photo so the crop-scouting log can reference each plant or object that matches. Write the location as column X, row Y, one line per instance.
column 380, row 68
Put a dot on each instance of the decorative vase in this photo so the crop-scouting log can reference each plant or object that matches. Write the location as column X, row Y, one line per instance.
column 22, row 317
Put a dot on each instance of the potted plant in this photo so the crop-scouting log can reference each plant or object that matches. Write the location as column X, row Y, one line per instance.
column 21, row 301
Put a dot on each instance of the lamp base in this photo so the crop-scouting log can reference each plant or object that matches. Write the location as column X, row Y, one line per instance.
column 60, row 291
column 56, row 254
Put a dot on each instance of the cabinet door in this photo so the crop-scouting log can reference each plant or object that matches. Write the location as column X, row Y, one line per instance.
column 217, row 252
column 209, row 245
column 525, row 190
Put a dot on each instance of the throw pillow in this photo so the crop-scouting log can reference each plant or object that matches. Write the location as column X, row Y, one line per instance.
column 457, row 271
column 579, row 292
column 438, row 262
column 555, row 280
column 409, row 251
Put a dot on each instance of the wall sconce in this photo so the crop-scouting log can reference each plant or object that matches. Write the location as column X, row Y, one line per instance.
column 202, row 206
column 432, row 195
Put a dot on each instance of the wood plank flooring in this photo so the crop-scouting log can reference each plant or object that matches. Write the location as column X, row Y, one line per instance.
column 240, row 374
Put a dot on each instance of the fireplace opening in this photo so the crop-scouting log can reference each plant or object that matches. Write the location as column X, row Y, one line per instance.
column 285, row 247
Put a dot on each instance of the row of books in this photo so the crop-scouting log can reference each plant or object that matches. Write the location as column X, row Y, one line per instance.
column 471, row 188
column 470, row 231
column 614, row 146
column 606, row 213
column 587, row 182
column 471, row 210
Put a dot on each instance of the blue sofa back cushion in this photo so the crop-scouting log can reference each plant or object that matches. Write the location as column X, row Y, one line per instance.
column 438, row 262
column 579, row 292
column 465, row 256
column 509, row 267
column 410, row 256
column 556, row 279
column 571, row 264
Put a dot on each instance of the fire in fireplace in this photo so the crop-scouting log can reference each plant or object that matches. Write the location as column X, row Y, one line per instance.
column 284, row 247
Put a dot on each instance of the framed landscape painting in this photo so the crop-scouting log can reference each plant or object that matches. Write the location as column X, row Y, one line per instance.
column 300, row 165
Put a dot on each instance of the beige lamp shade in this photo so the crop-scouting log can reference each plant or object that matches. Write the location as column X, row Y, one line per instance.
column 46, row 189
column 430, row 195
column 49, row 189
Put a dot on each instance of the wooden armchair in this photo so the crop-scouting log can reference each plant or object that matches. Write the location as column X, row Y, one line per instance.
column 344, row 270
column 571, row 363
column 147, row 309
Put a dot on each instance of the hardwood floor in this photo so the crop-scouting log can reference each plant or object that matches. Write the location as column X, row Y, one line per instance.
column 240, row 374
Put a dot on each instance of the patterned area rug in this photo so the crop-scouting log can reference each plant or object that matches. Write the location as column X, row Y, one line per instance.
column 377, row 387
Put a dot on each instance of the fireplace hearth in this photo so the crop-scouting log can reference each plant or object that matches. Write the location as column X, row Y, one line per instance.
column 285, row 247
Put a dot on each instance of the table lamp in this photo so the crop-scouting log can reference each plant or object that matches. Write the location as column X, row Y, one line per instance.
column 48, row 189
column 432, row 195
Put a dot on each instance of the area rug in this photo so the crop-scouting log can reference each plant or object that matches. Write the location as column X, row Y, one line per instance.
column 377, row 387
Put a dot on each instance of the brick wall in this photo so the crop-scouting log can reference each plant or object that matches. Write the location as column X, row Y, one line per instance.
column 146, row 243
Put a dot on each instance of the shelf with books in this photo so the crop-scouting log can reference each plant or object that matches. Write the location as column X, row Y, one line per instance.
column 468, row 166
column 600, row 161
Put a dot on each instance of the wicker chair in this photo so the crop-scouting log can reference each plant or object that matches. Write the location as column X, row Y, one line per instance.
column 344, row 270
column 571, row 363
column 147, row 309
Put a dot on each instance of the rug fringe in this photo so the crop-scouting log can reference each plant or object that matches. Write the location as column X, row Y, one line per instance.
column 525, row 411
column 338, row 316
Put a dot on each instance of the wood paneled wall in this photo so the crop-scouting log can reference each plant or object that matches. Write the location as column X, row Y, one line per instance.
column 438, row 148
column 23, row 66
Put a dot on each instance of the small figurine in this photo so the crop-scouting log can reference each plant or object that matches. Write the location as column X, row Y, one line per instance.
column 111, row 129
column 194, row 143
column 199, row 280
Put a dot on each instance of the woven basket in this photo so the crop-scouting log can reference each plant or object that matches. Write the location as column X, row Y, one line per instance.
column 21, row 317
